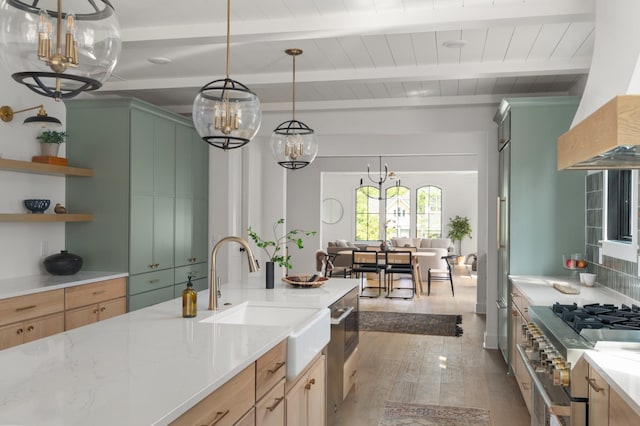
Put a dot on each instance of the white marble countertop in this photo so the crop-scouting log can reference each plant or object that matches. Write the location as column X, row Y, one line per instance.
column 621, row 368
column 20, row 286
column 137, row 369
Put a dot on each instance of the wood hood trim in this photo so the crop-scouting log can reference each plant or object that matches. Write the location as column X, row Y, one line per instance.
column 615, row 124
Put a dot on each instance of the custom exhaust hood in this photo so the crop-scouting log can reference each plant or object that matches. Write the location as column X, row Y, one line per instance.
column 605, row 133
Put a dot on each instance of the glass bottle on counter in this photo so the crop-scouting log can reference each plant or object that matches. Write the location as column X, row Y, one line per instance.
column 189, row 300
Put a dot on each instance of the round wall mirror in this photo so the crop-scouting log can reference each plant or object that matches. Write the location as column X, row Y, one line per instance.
column 331, row 210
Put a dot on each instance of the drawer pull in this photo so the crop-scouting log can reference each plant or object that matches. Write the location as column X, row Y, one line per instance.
column 354, row 373
column 309, row 383
column 95, row 293
column 103, row 309
column 593, row 384
column 157, row 280
column 277, row 367
column 526, row 309
column 152, row 266
column 30, row 328
column 219, row 416
column 25, row 308
column 95, row 311
column 276, row 403
column 19, row 331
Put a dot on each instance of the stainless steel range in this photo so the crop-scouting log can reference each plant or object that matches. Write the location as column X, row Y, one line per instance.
column 552, row 344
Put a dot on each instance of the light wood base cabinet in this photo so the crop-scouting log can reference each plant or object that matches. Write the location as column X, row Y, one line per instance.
column 620, row 414
column 94, row 302
column 306, row 399
column 270, row 409
column 350, row 374
column 598, row 399
column 27, row 331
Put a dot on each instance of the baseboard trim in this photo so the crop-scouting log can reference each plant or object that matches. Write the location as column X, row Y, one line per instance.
column 481, row 308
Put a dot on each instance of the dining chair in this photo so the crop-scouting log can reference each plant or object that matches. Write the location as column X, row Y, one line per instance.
column 365, row 262
column 399, row 262
column 326, row 266
column 442, row 273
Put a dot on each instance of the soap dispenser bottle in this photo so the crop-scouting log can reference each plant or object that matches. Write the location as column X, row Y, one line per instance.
column 189, row 300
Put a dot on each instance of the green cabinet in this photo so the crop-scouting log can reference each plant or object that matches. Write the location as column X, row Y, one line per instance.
column 150, row 193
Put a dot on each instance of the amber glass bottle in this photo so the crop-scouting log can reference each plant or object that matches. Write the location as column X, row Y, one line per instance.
column 189, row 301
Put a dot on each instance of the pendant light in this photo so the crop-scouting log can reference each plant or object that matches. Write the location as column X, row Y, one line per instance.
column 380, row 180
column 41, row 119
column 294, row 144
column 226, row 114
column 59, row 53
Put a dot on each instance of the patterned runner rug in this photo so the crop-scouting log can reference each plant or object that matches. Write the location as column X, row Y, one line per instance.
column 401, row 414
column 401, row 322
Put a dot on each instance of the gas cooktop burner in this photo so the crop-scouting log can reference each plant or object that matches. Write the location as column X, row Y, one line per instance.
column 596, row 315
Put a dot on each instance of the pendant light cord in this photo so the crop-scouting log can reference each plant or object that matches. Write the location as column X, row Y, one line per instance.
column 294, row 88
column 228, row 33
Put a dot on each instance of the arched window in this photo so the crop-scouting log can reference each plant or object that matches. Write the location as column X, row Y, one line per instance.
column 398, row 212
column 429, row 212
column 367, row 213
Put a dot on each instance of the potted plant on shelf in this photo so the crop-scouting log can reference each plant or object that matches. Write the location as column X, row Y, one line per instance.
column 459, row 228
column 50, row 142
column 276, row 248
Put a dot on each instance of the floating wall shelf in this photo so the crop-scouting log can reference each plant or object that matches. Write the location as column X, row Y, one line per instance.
column 43, row 169
column 29, row 217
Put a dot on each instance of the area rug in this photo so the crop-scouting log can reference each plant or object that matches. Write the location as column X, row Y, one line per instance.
column 409, row 323
column 400, row 414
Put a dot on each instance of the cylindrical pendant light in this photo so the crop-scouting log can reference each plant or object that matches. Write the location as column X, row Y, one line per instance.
column 294, row 145
column 226, row 114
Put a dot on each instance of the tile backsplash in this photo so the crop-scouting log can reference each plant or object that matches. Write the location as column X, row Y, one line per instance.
column 617, row 274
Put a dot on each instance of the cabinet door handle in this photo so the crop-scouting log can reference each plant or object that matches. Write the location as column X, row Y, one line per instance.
column 354, row 373
column 95, row 293
column 95, row 311
column 219, row 416
column 277, row 367
column 157, row 265
column 276, row 403
column 593, row 384
column 103, row 309
column 25, row 308
column 156, row 280
column 19, row 331
column 514, row 313
column 309, row 383
column 30, row 328
column 151, row 266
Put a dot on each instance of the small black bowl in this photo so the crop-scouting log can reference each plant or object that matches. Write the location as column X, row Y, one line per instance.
column 63, row 263
column 37, row 205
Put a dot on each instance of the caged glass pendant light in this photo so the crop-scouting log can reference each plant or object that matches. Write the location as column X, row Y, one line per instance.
column 59, row 48
column 294, row 144
column 226, row 114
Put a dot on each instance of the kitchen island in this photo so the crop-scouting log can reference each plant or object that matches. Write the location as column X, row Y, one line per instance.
column 146, row 367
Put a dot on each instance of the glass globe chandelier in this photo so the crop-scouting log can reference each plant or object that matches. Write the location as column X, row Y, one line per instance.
column 226, row 114
column 294, row 144
column 58, row 52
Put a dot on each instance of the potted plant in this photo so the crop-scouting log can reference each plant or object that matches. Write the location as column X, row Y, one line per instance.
column 274, row 248
column 50, row 142
column 459, row 228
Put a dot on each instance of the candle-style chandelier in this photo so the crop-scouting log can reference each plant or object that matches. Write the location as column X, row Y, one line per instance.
column 380, row 180
column 294, row 144
column 226, row 114
column 59, row 53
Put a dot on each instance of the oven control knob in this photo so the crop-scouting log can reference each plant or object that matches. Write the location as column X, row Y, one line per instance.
column 561, row 377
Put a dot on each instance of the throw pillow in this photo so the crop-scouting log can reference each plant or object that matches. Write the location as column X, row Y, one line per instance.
column 425, row 243
column 341, row 243
column 441, row 243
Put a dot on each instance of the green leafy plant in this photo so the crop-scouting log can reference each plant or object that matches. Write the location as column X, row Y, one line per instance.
column 274, row 248
column 459, row 228
column 52, row 136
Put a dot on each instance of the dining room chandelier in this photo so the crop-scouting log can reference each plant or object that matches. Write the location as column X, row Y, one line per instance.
column 57, row 51
column 294, row 145
column 380, row 180
column 226, row 114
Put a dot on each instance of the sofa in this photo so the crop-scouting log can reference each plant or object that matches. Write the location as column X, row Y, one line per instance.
column 423, row 243
column 342, row 260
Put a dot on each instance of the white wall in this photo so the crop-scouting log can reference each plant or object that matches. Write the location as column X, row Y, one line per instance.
column 21, row 243
column 459, row 197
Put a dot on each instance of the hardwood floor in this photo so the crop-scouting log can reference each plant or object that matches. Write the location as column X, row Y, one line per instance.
column 453, row 371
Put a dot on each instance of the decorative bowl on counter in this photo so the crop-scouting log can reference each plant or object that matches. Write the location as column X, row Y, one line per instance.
column 303, row 280
column 63, row 263
column 574, row 261
column 36, row 205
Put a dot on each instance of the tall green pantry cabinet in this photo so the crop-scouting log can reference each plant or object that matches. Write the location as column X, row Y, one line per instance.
column 149, row 194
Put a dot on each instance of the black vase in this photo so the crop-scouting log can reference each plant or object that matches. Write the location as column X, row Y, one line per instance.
column 63, row 263
column 269, row 275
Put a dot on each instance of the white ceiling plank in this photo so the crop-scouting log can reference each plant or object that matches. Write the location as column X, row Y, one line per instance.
column 335, row 55
column 378, row 90
column 476, row 40
column 524, row 37
column 485, row 86
column 573, row 39
column 395, row 89
column 425, row 49
column 523, row 84
column 378, row 50
column 401, row 48
column 300, row 8
column 504, row 85
column 467, row 87
column 328, row 7
column 413, row 88
column 586, row 49
column 430, row 88
column 447, row 55
column 361, row 91
column 547, row 40
column 448, row 87
column 356, row 51
column 498, row 39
